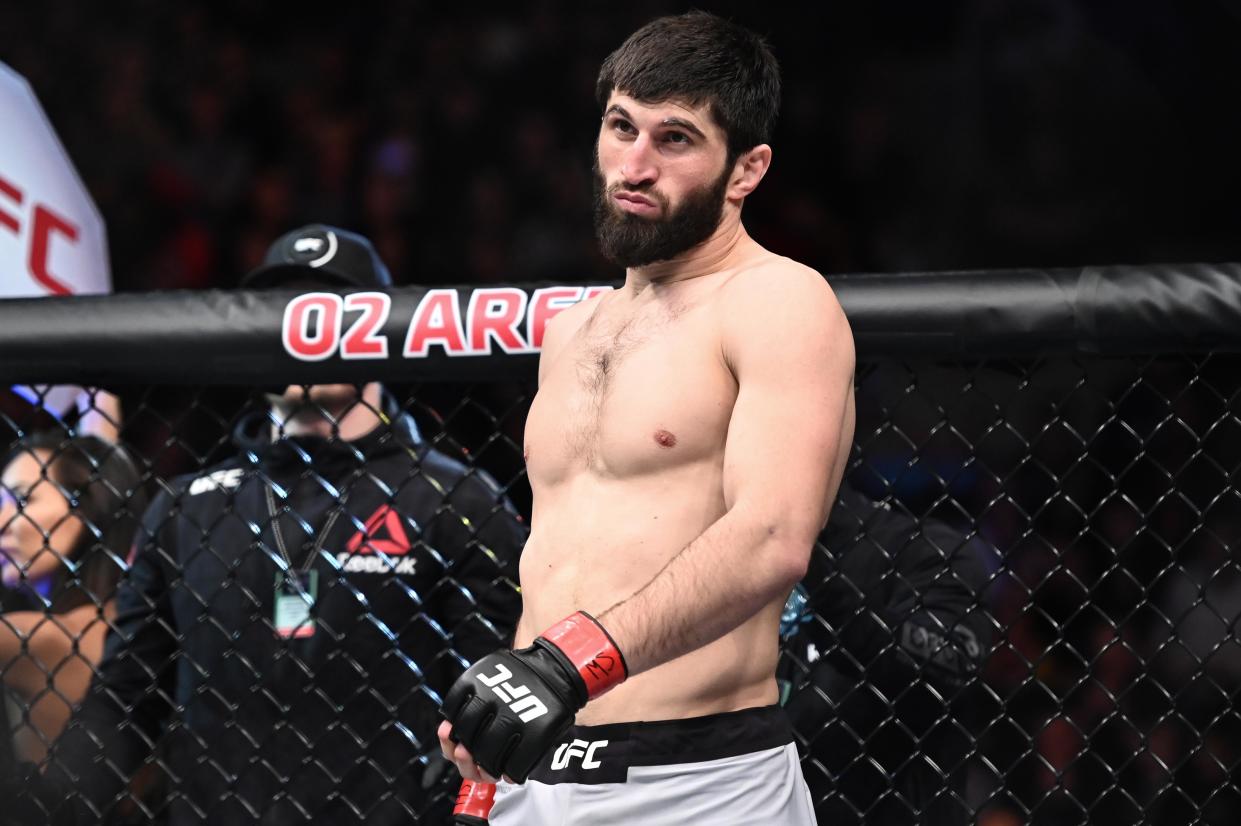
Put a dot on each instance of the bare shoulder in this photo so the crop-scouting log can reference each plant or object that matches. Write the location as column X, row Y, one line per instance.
column 775, row 280
column 777, row 297
column 561, row 327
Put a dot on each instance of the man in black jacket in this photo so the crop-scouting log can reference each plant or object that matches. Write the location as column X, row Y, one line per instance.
column 884, row 644
column 292, row 616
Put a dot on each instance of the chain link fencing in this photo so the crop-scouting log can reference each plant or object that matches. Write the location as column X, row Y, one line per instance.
column 1023, row 610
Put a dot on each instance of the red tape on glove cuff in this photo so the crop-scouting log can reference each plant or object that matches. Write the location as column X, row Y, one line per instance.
column 475, row 799
column 597, row 659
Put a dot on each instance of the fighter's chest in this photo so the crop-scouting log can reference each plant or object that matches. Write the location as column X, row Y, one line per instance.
column 627, row 398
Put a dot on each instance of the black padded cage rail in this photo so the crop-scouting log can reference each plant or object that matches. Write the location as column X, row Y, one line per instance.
column 1024, row 608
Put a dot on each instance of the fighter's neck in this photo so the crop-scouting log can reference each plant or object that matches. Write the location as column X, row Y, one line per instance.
column 723, row 250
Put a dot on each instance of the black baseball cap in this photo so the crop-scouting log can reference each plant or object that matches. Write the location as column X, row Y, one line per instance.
column 319, row 253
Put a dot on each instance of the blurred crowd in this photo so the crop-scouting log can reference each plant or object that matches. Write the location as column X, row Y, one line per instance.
column 1104, row 487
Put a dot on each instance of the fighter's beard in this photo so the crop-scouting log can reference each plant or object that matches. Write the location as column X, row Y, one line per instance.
column 629, row 240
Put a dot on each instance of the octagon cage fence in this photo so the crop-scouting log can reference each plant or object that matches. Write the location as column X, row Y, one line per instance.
column 1023, row 610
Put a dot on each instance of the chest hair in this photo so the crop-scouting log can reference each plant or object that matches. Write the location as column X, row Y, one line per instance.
column 604, row 347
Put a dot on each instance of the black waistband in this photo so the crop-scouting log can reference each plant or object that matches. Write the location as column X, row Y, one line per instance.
column 604, row 754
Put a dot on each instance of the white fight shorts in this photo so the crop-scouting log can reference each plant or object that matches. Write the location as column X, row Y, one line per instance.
column 734, row 769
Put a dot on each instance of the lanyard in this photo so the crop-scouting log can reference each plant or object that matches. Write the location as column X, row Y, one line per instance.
column 279, row 535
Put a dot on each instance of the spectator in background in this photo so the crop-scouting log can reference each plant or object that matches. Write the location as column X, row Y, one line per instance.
column 69, row 507
column 886, row 634
column 301, row 607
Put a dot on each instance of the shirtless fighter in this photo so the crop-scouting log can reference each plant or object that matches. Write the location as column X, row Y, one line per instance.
column 687, row 439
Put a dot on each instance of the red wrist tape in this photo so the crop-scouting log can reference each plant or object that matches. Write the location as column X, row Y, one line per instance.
column 597, row 659
column 475, row 799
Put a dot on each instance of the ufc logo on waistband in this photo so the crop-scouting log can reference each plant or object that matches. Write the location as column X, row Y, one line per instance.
column 517, row 697
column 577, row 748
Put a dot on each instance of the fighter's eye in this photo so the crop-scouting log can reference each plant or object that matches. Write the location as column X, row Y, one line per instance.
column 677, row 137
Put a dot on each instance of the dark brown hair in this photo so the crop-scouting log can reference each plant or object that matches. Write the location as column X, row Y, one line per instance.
column 699, row 58
column 104, row 489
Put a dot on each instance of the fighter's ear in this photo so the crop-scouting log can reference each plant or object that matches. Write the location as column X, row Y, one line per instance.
column 748, row 170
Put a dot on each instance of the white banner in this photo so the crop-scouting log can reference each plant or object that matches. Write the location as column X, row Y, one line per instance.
column 52, row 237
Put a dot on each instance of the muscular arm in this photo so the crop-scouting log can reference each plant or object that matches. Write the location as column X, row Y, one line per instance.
column 788, row 345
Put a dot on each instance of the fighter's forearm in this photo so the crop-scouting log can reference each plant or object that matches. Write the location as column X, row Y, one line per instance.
column 741, row 563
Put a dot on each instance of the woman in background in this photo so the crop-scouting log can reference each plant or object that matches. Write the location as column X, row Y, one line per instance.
column 69, row 509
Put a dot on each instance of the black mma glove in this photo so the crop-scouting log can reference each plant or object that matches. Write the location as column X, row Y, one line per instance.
column 510, row 707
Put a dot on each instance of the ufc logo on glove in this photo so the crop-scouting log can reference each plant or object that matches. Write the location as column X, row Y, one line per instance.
column 539, row 690
column 517, row 697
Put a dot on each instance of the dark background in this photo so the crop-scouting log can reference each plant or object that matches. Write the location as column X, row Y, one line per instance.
column 914, row 135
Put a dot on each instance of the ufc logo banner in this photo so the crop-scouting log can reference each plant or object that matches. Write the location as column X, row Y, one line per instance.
column 520, row 700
